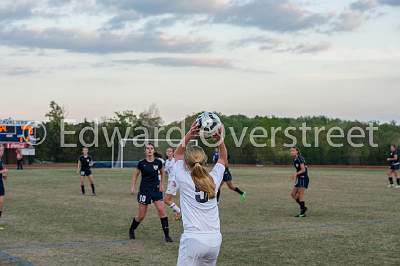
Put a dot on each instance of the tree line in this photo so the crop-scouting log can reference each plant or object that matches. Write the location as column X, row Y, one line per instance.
column 240, row 128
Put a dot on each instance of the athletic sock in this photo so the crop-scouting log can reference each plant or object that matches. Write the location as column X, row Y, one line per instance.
column 302, row 206
column 239, row 191
column 398, row 181
column 165, row 226
column 1, row 212
column 218, row 194
column 83, row 190
column 298, row 202
column 391, row 180
column 134, row 225
column 93, row 189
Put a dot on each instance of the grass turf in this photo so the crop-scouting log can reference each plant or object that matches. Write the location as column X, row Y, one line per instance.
column 353, row 220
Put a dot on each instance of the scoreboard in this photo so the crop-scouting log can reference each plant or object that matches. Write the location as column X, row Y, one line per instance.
column 16, row 131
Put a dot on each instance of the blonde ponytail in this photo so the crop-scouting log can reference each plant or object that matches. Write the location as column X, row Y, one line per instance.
column 196, row 160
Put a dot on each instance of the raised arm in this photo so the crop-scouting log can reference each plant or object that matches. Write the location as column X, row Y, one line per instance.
column 193, row 133
column 223, row 153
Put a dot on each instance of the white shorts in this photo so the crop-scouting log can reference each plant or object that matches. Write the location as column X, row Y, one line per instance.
column 198, row 249
column 171, row 188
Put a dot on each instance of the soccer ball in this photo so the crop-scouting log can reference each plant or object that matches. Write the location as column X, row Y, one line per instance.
column 209, row 124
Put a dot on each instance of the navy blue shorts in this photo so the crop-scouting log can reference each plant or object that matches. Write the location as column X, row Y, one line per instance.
column 395, row 167
column 147, row 196
column 302, row 182
column 227, row 175
column 86, row 172
column 2, row 190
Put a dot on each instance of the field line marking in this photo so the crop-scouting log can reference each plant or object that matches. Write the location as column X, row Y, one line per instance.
column 13, row 259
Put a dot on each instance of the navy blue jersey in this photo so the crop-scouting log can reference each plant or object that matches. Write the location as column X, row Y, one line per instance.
column 393, row 155
column 86, row 162
column 1, row 168
column 297, row 164
column 150, row 172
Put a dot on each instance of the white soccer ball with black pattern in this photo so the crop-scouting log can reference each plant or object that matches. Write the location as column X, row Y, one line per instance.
column 209, row 124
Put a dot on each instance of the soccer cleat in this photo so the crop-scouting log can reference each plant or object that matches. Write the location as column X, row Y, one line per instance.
column 132, row 234
column 243, row 197
column 94, row 194
column 1, row 228
column 168, row 239
column 397, row 186
column 301, row 215
column 390, row 186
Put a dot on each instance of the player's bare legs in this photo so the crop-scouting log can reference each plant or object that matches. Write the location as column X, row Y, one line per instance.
column 82, row 179
column 142, row 211
column 91, row 180
column 1, row 204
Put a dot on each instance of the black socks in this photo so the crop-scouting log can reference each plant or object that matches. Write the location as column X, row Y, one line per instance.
column 239, row 191
column 1, row 213
column 218, row 194
column 165, row 226
column 302, row 206
column 93, row 189
column 398, row 181
column 134, row 225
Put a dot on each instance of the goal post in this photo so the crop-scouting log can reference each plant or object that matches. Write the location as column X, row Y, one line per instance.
column 131, row 151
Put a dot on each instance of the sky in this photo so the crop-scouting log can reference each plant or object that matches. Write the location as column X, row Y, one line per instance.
column 255, row 57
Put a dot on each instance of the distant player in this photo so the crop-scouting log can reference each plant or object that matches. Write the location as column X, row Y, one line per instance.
column 20, row 159
column 394, row 166
column 201, row 241
column 151, row 190
column 228, row 180
column 3, row 175
column 85, row 163
column 171, row 188
column 301, row 180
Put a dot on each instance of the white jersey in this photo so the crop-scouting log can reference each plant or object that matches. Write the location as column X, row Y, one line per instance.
column 169, row 164
column 199, row 214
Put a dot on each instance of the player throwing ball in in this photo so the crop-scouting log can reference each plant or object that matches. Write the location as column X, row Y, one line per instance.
column 151, row 190
column 201, row 241
column 171, row 189
column 394, row 166
column 301, row 180
column 85, row 163
column 3, row 175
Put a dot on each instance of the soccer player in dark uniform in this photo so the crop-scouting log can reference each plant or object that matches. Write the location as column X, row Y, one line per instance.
column 301, row 180
column 3, row 175
column 20, row 159
column 151, row 190
column 85, row 163
column 228, row 180
column 394, row 166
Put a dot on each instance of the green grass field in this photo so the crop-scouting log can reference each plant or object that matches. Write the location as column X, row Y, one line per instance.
column 353, row 220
